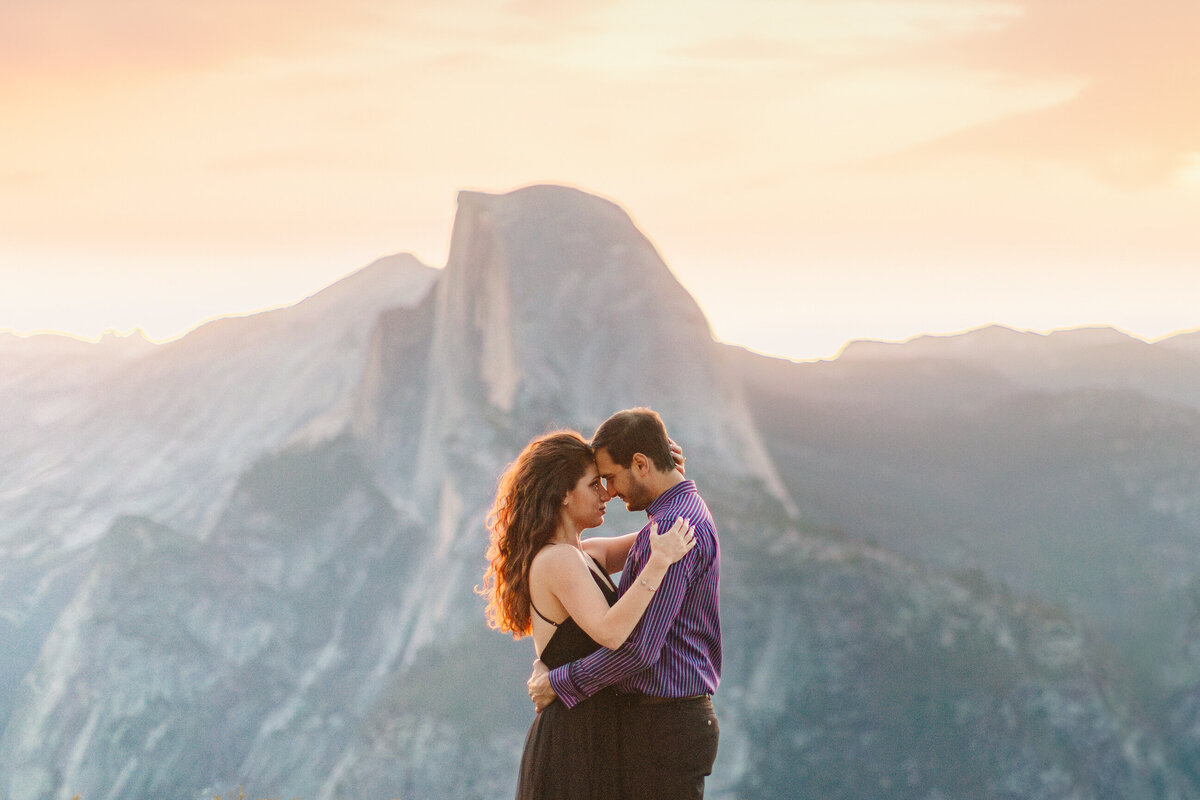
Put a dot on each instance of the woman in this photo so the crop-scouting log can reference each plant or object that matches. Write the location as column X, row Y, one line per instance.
column 543, row 579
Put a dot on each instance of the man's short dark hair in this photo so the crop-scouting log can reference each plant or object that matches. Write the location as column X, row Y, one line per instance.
column 635, row 430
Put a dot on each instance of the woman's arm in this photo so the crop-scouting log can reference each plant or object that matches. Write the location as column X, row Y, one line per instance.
column 569, row 580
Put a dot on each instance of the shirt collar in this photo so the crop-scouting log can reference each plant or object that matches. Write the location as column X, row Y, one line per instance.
column 660, row 502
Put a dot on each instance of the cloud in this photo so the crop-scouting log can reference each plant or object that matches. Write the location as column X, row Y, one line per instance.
column 85, row 41
column 1134, row 122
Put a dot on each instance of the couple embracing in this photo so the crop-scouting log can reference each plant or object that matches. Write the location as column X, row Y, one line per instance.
column 625, row 674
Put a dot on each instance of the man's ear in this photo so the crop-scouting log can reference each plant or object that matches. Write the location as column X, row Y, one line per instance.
column 640, row 465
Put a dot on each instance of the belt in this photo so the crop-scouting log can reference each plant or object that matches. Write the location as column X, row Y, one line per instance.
column 651, row 700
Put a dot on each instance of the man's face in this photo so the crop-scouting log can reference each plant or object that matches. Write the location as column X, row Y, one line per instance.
column 622, row 482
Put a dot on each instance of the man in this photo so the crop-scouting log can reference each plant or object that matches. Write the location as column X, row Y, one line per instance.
column 670, row 666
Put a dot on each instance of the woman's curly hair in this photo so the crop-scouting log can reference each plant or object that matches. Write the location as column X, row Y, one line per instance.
column 523, row 519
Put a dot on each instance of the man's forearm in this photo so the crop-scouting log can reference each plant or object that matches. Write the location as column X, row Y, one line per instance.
column 581, row 679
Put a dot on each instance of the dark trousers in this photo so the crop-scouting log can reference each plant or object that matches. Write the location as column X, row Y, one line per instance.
column 667, row 749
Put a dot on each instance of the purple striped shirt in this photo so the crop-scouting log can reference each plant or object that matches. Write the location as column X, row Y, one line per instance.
column 675, row 651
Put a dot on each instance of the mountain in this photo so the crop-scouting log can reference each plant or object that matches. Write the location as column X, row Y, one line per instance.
column 93, row 432
column 1061, row 466
column 1060, row 360
column 252, row 551
column 242, row 384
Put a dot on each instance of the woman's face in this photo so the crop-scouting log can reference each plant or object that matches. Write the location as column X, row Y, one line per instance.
column 585, row 503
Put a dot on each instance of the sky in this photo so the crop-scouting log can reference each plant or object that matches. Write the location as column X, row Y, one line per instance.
column 813, row 171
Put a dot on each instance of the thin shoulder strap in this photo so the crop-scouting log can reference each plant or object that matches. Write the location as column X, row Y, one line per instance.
column 600, row 573
column 540, row 614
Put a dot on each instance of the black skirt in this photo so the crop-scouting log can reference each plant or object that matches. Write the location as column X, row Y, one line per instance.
column 573, row 753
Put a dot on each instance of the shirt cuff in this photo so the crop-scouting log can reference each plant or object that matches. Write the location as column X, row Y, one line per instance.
column 564, row 687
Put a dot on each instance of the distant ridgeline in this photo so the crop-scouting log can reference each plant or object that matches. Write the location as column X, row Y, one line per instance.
column 960, row 567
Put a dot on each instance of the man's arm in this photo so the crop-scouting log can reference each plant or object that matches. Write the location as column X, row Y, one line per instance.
column 611, row 551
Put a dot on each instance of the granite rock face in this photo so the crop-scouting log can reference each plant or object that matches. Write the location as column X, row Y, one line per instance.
column 258, row 547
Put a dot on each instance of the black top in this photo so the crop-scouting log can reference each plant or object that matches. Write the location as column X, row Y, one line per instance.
column 569, row 642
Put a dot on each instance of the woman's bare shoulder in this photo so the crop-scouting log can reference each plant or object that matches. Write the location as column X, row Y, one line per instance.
column 555, row 557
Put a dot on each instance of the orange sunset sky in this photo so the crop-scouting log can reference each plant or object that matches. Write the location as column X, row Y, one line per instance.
column 813, row 171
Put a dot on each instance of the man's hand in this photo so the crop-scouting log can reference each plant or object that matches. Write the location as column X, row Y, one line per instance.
column 540, row 691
